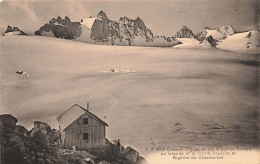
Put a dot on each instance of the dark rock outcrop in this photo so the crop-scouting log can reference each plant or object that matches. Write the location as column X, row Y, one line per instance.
column 61, row 28
column 100, row 27
column 14, row 29
column 249, row 34
column 185, row 32
column 114, row 152
column 8, row 120
column 15, row 143
column 18, row 146
column 49, row 136
column 211, row 40
column 201, row 35
column 133, row 156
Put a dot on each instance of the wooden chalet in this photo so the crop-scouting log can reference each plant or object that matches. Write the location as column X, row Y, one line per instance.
column 81, row 128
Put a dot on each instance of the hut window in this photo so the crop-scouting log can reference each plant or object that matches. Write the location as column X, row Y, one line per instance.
column 78, row 122
column 85, row 136
column 85, row 121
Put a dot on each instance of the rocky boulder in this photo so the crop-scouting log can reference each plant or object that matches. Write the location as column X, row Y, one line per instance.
column 133, row 156
column 19, row 146
column 48, row 136
column 15, row 144
column 7, row 120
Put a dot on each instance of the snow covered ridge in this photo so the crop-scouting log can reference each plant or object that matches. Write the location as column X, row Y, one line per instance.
column 224, row 37
column 189, row 40
column 219, row 33
column 245, row 42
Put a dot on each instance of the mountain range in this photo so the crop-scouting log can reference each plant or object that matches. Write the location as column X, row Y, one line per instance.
column 102, row 30
column 134, row 32
column 224, row 37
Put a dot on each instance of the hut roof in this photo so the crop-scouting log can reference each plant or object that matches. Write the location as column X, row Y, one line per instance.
column 72, row 114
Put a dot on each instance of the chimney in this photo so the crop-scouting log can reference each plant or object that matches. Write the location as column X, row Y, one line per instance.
column 87, row 106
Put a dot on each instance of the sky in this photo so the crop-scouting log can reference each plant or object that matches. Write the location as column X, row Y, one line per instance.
column 162, row 17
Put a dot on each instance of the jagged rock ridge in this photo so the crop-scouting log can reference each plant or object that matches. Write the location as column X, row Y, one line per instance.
column 60, row 28
column 126, row 30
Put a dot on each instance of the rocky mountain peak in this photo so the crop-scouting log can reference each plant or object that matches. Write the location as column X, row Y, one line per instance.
column 9, row 29
column 184, row 27
column 185, row 32
column 14, row 29
column 138, row 19
column 102, row 15
column 140, row 24
column 67, row 18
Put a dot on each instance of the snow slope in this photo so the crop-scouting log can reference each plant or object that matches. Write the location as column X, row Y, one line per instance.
column 192, row 43
column 227, row 30
column 215, row 34
column 88, row 22
column 207, row 91
column 242, row 42
column 86, row 26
